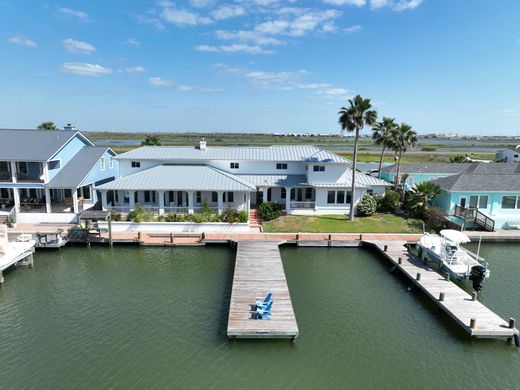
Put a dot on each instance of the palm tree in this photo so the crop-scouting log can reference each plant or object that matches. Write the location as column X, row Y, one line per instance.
column 403, row 138
column 423, row 195
column 354, row 118
column 151, row 140
column 47, row 126
column 382, row 135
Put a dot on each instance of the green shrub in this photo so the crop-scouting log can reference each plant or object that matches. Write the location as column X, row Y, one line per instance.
column 435, row 218
column 269, row 211
column 379, row 201
column 391, row 200
column 140, row 215
column 367, row 205
column 115, row 216
column 428, row 149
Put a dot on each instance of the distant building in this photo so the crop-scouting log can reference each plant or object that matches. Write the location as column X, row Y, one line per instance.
column 508, row 155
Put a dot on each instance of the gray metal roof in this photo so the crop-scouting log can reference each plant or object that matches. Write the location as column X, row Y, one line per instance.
column 180, row 177
column 33, row 145
column 78, row 168
column 362, row 181
column 481, row 182
column 237, row 153
column 276, row 180
column 430, row 168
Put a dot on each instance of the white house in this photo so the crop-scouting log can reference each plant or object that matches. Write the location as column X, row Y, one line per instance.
column 303, row 179
column 508, row 155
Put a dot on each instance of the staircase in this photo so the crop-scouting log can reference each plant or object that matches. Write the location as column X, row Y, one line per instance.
column 254, row 219
column 477, row 217
column 4, row 219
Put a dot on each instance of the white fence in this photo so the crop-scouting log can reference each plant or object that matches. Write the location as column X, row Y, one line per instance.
column 176, row 227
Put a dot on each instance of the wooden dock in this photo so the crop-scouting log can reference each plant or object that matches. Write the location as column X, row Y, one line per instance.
column 258, row 272
column 475, row 318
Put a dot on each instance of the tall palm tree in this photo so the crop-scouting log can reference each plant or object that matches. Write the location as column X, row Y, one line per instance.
column 382, row 135
column 151, row 140
column 403, row 138
column 354, row 118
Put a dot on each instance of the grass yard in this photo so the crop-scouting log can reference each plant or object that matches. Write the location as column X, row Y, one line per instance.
column 378, row 223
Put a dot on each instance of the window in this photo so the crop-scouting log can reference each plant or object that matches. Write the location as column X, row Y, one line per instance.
column 170, row 196
column 318, row 168
column 228, row 197
column 149, row 196
column 199, row 197
column 281, row 165
column 102, row 163
column 340, row 197
column 473, row 201
column 214, row 197
column 234, row 165
column 136, row 164
column 308, row 193
column 349, row 197
column 476, row 201
column 370, row 191
column 331, row 195
column 483, row 202
column 110, row 162
column 293, row 193
column 86, row 192
column 54, row 164
column 509, row 202
column 269, row 194
column 283, row 193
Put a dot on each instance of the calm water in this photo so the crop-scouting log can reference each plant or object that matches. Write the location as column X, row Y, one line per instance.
column 156, row 318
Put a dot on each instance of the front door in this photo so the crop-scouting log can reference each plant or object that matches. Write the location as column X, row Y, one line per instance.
column 462, row 201
column 259, row 197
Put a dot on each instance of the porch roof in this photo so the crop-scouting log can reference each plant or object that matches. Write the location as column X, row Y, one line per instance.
column 180, row 177
column 362, row 181
column 276, row 180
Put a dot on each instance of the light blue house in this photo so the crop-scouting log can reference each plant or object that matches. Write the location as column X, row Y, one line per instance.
column 419, row 172
column 50, row 175
column 488, row 197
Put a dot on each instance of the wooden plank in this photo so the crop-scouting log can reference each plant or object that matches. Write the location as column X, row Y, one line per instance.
column 457, row 303
column 258, row 272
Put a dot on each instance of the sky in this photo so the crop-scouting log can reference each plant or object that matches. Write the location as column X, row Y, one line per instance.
column 260, row 65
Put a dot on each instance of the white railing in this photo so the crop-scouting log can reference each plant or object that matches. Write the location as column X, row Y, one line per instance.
column 302, row 205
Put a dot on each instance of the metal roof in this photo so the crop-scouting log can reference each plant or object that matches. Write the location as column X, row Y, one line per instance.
column 33, row 145
column 94, row 215
column 237, row 153
column 78, row 168
column 481, row 182
column 180, row 177
column 276, row 180
column 429, row 168
column 362, row 181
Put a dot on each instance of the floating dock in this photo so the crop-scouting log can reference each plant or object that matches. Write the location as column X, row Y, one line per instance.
column 258, row 272
column 475, row 318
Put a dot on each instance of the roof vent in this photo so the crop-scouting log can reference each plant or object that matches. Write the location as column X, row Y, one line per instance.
column 69, row 126
column 202, row 144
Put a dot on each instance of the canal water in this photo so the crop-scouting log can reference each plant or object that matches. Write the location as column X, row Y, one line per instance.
column 135, row 318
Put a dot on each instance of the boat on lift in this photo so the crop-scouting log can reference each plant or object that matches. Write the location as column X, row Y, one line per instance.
column 459, row 262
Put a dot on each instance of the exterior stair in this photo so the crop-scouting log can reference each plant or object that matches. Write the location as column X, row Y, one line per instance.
column 254, row 219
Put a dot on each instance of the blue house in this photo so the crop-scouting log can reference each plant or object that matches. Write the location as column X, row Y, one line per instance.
column 420, row 172
column 50, row 175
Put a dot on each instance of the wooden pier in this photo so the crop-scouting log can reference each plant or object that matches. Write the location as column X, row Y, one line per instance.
column 258, row 272
column 475, row 318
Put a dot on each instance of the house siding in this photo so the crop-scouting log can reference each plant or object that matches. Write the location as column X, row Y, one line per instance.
column 67, row 153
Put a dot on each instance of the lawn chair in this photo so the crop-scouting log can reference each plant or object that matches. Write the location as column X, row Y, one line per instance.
column 266, row 300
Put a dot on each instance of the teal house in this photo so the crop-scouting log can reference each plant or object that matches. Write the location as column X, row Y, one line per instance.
column 418, row 173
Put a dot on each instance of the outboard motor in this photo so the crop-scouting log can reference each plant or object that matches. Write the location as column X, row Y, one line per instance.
column 477, row 276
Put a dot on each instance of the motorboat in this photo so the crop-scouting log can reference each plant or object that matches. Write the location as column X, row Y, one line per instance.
column 458, row 261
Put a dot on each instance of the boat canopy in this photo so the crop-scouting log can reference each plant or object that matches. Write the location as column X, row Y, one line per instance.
column 455, row 236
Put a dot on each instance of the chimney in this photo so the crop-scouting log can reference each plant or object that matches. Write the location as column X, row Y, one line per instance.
column 69, row 126
column 202, row 144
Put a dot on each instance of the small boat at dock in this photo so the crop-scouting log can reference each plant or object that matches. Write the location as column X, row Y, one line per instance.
column 459, row 262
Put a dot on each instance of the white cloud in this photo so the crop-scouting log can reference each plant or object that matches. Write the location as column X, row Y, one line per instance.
column 243, row 36
column 357, row 3
column 200, row 3
column 376, row 4
column 182, row 17
column 402, row 5
column 353, row 29
column 135, row 69
column 132, row 42
column 396, row 5
column 72, row 13
column 22, row 41
column 160, row 82
column 234, row 48
column 78, row 47
column 85, row 69
column 227, row 12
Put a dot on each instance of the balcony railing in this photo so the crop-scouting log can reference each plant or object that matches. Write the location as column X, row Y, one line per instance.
column 302, row 205
column 30, row 177
column 5, row 176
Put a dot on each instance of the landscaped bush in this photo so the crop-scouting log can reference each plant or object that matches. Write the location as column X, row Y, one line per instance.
column 115, row 216
column 367, row 205
column 140, row 215
column 269, row 211
column 379, row 201
column 435, row 218
column 391, row 200
column 233, row 216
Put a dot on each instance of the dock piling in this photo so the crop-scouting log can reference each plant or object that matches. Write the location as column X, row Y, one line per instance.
column 472, row 323
column 474, row 296
column 386, row 248
column 512, row 322
column 447, row 276
column 442, row 295
column 418, row 277
column 400, row 260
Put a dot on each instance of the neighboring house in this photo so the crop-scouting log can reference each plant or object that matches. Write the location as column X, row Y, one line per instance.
column 508, row 155
column 420, row 172
column 492, row 189
column 302, row 179
column 49, row 175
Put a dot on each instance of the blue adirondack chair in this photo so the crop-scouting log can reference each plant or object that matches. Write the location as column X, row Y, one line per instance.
column 265, row 302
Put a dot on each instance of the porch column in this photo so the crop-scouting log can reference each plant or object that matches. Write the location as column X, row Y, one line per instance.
column 287, row 199
column 75, row 203
column 264, row 191
column 131, row 199
column 48, row 201
column 220, row 201
column 13, row 172
column 16, row 197
column 190, row 202
column 248, row 202
column 104, row 200
column 160, row 194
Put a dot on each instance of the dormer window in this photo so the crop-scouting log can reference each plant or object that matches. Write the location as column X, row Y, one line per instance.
column 102, row 163
column 136, row 164
column 234, row 165
column 318, row 168
column 54, row 164
column 281, row 165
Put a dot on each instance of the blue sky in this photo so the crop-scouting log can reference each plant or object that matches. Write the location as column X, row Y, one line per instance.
column 260, row 65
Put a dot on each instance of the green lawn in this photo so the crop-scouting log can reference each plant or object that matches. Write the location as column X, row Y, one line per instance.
column 378, row 223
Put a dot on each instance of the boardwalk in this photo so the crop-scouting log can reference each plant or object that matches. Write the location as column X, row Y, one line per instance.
column 457, row 303
column 258, row 271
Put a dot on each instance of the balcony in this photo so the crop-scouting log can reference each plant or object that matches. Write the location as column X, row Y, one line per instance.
column 31, row 172
column 6, row 177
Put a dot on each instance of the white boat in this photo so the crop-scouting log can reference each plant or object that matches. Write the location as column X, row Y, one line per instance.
column 459, row 262
column 12, row 252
